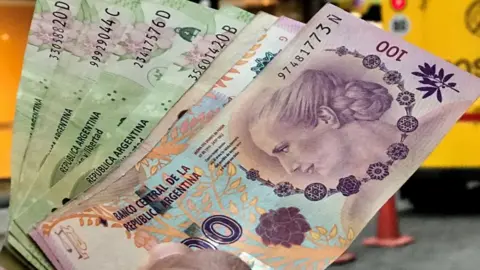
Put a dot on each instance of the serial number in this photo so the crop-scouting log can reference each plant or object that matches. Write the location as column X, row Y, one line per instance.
column 103, row 36
column 151, row 36
column 308, row 46
column 59, row 25
column 213, row 51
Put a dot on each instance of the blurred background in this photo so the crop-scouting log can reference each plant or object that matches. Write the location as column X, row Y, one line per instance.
column 438, row 205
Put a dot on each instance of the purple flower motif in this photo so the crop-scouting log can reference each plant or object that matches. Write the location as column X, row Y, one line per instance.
column 397, row 151
column 371, row 61
column 405, row 98
column 349, row 185
column 253, row 174
column 341, row 51
column 407, row 124
column 315, row 191
column 433, row 82
column 284, row 226
column 284, row 189
column 392, row 77
column 378, row 171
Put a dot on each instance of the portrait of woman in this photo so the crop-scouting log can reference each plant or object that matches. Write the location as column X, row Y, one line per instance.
column 324, row 126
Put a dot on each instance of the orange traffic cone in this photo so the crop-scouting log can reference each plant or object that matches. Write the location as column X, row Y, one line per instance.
column 388, row 232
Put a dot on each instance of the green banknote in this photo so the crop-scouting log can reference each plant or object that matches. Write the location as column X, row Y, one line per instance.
column 40, row 60
column 119, row 147
column 97, row 28
column 52, row 28
column 34, row 256
column 131, row 92
column 74, row 74
column 234, row 53
column 225, row 68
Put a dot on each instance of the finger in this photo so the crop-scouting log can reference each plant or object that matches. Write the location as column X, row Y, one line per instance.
column 164, row 250
column 201, row 260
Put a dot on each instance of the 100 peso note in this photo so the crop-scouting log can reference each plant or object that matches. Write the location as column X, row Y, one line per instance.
column 292, row 170
column 52, row 30
column 96, row 25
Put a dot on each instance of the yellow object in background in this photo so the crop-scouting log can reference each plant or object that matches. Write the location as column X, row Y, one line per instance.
column 15, row 17
column 451, row 30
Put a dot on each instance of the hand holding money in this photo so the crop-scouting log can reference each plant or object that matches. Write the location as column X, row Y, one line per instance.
column 280, row 159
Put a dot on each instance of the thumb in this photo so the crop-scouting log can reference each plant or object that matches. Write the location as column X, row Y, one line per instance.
column 164, row 250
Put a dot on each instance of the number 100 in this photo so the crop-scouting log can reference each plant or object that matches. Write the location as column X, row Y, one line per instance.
column 214, row 236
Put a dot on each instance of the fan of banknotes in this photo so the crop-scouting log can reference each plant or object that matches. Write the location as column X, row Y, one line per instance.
column 147, row 121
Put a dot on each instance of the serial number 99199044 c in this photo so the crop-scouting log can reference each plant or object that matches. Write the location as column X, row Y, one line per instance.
column 104, row 38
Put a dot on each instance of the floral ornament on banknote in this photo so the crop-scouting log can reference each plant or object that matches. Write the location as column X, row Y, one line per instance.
column 285, row 227
column 434, row 83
